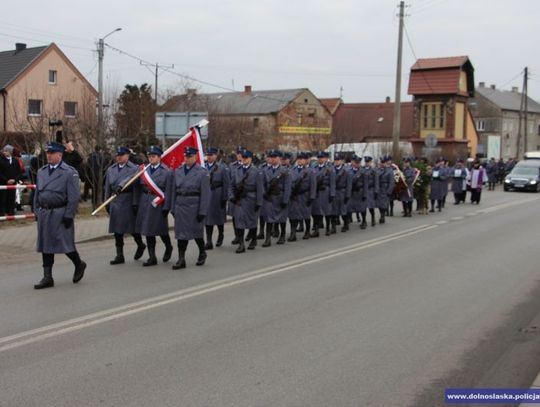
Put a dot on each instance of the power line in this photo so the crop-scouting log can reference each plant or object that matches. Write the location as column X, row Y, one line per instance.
column 510, row 80
column 39, row 31
column 416, row 58
column 18, row 37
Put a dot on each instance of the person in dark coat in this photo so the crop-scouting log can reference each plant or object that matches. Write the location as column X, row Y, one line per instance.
column 123, row 210
column 246, row 197
column 277, row 192
column 154, row 201
column 439, row 176
column 326, row 192
column 263, row 164
column 55, row 204
column 459, row 181
column 10, row 174
column 373, row 189
column 233, row 166
column 219, row 194
column 190, row 201
column 358, row 202
column 407, row 194
column 386, row 187
column 303, row 193
column 72, row 157
column 343, row 194
column 491, row 171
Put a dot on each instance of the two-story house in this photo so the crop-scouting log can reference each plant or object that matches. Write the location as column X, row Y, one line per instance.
column 40, row 84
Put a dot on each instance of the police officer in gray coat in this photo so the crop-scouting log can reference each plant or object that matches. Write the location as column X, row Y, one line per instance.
column 439, row 184
column 359, row 190
column 459, row 181
column 233, row 167
column 326, row 191
column 123, row 210
column 219, row 194
column 303, row 193
column 56, row 200
column 189, row 201
column 152, row 217
column 246, row 197
column 386, row 187
column 373, row 189
column 277, row 187
column 407, row 194
column 343, row 193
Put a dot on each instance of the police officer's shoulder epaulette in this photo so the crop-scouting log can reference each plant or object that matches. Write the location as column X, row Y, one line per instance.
column 45, row 166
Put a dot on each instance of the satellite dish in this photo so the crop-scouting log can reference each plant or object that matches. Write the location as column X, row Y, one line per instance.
column 431, row 140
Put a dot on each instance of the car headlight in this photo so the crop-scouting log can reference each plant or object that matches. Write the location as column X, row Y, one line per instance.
column 507, row 181
column 533, row 182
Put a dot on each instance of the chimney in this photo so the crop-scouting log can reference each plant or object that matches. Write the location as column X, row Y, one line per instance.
column 515, row 89
column 387, row 100
column 492, row 87
column 20, row 46
column 247, row 90
column 482, row 85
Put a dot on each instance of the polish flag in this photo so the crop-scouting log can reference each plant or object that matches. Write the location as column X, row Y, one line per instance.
column 173, row 158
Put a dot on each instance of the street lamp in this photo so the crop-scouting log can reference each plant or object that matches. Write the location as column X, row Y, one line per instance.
column 101, row 51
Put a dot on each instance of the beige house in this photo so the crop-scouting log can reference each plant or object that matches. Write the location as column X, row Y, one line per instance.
column 41, row 84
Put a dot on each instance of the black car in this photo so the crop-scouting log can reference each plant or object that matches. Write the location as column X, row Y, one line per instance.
column 524, row 177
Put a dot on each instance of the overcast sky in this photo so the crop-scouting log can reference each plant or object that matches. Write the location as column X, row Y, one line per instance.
column 278, row 44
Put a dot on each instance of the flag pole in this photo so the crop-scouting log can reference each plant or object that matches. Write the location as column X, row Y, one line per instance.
column 201, row 124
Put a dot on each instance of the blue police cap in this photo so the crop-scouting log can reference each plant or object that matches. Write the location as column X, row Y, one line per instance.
column 190, row 151
column 339, row 156
column 154, row 150
column 273, row 153
column 368, row 158
column 239, row 149
column 356, row 158
column 287, row 155
column 122, row 151
column 247, row 154
column 303, row 155
column 211, row 150
column 54, row 147
column 383, row 159
column 322, row 154
column 407, row 159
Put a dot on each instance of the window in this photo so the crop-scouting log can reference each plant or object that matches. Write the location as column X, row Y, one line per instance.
column 299, row 118
column 480, row 125
column 256, row 122
column 52, row 77
column 539, row 129
column 433, row 116
column 70, row 109
column 34, row 107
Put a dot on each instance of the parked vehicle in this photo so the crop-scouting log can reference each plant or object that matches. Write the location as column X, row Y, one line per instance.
column 525, row 176
column 532, row 155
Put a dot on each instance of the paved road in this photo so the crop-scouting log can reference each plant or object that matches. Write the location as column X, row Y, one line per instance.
column 389, row 316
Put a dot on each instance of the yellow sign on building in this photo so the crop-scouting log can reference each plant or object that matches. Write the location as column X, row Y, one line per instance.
column 303, row 130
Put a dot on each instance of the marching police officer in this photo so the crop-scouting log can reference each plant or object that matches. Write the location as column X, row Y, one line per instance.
column 277, row 185
column 235, row 165
column 439, row 185
column 343, row 193
column 373, row 188
column 123, row 210
column 386, row 187
column 189, row 201
column 326, row 191
column 407, row 194
column 55, row 204
column 303, row 193
column 459, row 182
column 246, row 198
column 359, row 190
column 152, row 217
column 219, row 191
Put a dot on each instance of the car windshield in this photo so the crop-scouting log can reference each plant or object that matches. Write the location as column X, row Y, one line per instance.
column 525, row 171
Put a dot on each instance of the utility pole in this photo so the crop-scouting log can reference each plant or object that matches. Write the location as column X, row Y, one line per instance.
column 522, row 110
column 397, row 100
column 525, row 100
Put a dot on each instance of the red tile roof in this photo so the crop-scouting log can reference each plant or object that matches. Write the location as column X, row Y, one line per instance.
column 436, row 63
column 440, row 76
column 331, row 103
column 361, row 122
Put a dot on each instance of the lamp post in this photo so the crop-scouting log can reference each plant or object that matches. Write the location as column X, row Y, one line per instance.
column 101, row 50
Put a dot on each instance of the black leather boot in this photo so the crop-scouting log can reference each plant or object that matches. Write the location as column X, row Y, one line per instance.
column 78, row 274
column 181, row 263
column 152, row 260
column 268, row 240
column 168, row 251
column 219, row 241
column 119, row 259
column 47, row 280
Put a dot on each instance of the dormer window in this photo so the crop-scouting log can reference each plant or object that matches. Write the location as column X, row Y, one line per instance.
column 52, row 77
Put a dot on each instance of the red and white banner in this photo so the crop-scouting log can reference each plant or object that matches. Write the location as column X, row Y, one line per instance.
column 173, row 158
column 17, row 217
column 16, row 186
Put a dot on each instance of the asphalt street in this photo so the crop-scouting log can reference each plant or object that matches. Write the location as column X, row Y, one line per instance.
column 389, row 316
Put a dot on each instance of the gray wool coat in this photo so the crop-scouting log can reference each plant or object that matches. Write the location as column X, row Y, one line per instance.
column 277, row 193
column 439, row 183
column 372, row 175
column 408, row 195
column 343, row 191
column 459, row 178
column 56, row 197
column 359, row 190
column 303, row 192
column 150, row 220
column 219, row 194
column 386, row 187
column 121, row 215
column 326, row 190
column 190, row 197
column 246, row 197
column 233, row 167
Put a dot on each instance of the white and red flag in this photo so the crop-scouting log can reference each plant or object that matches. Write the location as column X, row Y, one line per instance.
column 173, row 158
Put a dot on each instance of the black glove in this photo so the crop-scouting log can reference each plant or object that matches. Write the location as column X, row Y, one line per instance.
column 118, row 190
column 363, row 198
column 108, row 209
column 165, row 213
column 200, row 218
column 331, row 199
column 35, row 217
column 223, row 204
column 283, row 205
column 346, row 201
column 135, row 209
column 309, row 202
column 376, row 196
column 257, row 207
column 233, row 201
column 67, row 222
